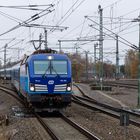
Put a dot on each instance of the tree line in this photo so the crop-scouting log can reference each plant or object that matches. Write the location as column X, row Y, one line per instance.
column 81, row 67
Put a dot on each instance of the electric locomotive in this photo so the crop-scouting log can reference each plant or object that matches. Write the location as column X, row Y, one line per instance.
column 44, row 80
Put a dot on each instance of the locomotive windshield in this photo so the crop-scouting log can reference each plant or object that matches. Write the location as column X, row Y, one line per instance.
column 50, row 67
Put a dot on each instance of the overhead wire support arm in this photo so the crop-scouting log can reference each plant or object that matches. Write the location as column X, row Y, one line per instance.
column 74, row 40
column 129, row 43
column 30, row 5
column 61, row 28
column 34, row 17
column 132, row 46
column 45, row 27
column 27, row 7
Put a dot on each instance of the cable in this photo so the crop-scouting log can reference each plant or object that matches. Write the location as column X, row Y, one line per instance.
column 124, row 28
column 107, row 23
column 9, row 47
column 113, row 18
column 82, row 28
column 32, row 9
column 64, row 18
column 130, row 12
column 134, row 46
column 55, row 10
column 25, row 22
column 112, row 4
column 78, row 26
column 130, row 32
column 33, row 18
column 10, row 17
column 30, row 5
column 68, row 11
column 81, row 31
column 8, row 42
column 71, row 12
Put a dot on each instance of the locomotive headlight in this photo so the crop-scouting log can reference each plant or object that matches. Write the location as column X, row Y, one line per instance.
column 50, row 57
column 68, row 88
column 32, row 88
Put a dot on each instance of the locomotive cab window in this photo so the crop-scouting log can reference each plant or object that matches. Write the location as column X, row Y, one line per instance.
column 59, row 67
column 50, row 67
column 40, row 67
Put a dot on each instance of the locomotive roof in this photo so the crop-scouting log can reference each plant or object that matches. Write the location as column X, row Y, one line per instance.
column 45, row 56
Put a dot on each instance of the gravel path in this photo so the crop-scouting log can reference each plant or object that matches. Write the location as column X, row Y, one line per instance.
column 121, row 97
column 19, row 128
column 105, row 127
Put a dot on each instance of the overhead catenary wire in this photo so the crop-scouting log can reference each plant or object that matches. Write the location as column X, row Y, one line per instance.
column 119, row 27
column 53, row 3
column 78, row 26
column 30, row 5
column 71, row 12
column 28, row 22
column 64, row 18
column 106, row 34
column 129, row 43
column 9, row 47
column 109, row 5
column 130, row 32
column 11, row 17
column 117, row 17
column 67, row 11
column 129, row 19
column 56, row 7
column 115, row 38
column 122, row 17
column 8, row 43
column 90, row 30
column 112, row 4
column 21, row 8
column 114, row 17
column 33, row 18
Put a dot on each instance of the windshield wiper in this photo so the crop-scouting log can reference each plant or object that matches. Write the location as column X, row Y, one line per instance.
column 52, row 68
column 44, row 75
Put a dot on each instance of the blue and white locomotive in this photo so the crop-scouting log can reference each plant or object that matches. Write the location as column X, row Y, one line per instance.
column 44, row 79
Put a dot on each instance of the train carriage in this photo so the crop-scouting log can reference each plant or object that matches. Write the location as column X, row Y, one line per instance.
column 44, row 79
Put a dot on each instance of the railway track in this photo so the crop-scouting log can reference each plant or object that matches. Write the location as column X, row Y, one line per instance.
column 74, row 128
column 63, row 128
column 12, row 93
column 130, row 84
column 90, row 103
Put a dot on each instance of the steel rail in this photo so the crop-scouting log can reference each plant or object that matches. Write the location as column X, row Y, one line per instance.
column 11, row 93
column 133, row 86
column 136, row 114
column 110, row 113
column 46, row 127
column 89, row 99
column 80, row 128
column 107, row 109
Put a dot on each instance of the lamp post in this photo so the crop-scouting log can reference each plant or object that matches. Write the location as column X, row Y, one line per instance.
column 138, row 20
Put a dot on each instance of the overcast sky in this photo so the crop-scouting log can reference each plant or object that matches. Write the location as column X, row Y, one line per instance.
column 118, row 15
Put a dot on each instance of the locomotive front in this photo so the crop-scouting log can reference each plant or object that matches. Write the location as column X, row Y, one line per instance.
column 49, row 80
